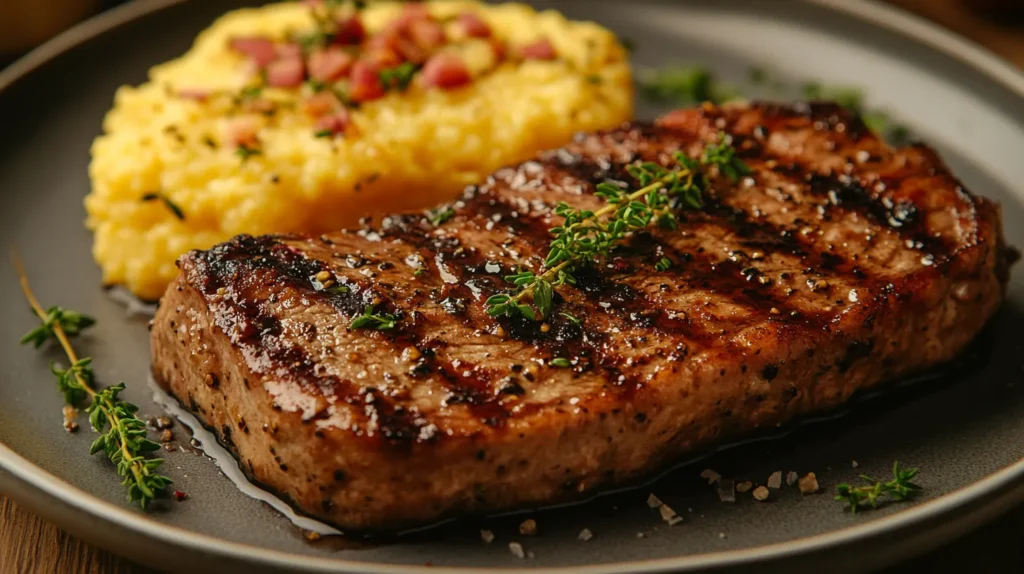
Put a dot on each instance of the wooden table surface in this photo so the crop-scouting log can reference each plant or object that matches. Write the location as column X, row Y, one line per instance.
column 28, row 544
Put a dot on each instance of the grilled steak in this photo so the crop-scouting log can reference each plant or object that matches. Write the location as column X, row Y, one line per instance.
column 837, row 264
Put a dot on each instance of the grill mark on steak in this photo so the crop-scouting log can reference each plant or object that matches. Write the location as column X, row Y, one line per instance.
column 466, row 383
column 230, row 264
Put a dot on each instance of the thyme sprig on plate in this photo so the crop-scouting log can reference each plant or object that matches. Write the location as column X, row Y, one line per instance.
column 585, row 237
column 123, row 434
column 900, row 487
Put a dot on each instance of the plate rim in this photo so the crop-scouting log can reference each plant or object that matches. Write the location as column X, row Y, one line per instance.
column 41, row 487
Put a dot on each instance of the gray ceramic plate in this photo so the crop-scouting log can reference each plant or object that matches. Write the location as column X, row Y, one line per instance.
column 966, row 432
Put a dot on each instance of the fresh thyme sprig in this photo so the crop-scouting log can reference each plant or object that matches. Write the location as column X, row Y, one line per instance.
column 123, row 437
column 585, row 238
column 899, row 488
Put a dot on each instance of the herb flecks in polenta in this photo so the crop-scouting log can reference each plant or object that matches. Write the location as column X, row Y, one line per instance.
column 327, row 113
column 173, row 207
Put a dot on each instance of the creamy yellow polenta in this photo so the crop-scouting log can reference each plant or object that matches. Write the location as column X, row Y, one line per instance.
column 408, row 150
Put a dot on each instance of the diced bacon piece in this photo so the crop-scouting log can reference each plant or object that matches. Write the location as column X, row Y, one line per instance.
column 409, row 50
column 329, row 64
column 242, row 131
column 445, row 71
column 382, row 57
column 286, row 73
column 321, row 103
column 427, row 34
column 335, row 123
column 197, row 94
column 539, row 50
column 288, row 50
column 474, row 25
column 364, row 83
column 385, row 39
column 412, row 12
column 259, row 49
column 350, row 32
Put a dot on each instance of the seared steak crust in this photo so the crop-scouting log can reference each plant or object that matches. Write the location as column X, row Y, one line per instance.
column 839, row 263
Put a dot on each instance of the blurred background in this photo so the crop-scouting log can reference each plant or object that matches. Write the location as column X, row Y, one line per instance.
column 26, row 23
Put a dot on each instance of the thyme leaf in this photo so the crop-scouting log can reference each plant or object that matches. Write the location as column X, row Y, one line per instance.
column 370, row 320
column 398, row 77
column 571, row 318
column 440, row 215
column 900, row 487
column 70, row 322
column 543, row 293
column 245, row 152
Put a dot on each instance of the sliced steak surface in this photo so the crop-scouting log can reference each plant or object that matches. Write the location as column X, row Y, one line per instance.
column 837, row 264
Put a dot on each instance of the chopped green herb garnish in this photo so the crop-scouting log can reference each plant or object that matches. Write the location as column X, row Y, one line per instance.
column 323, row 133
column 440, row 215
column 338, row 289
column 312, row 40
column 560, row 362
column 153, row 196
column 398, row 78
column 209, row 141
column 250, row 92
column 315, row 85
column 594, row 79
column 245, row 152
column 900, row 487
column 370, row 320
column 664, row 264
column 419, row 272
column 572, row 318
